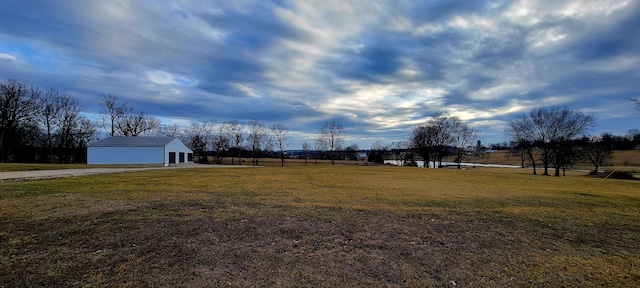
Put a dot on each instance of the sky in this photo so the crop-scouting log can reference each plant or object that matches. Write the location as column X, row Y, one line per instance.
column 380, row 68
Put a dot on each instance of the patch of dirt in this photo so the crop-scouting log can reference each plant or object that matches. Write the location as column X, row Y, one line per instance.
column 185, row 245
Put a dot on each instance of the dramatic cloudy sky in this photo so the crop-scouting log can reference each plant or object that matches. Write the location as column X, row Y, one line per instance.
column 377, row 67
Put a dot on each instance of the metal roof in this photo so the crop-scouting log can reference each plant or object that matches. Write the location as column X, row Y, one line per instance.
column 133, row 142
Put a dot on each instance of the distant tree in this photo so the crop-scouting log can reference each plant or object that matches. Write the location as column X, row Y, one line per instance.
column 441, row 130
column 18, row 109
column 567, row 125
column 409, row 159
column 256, row 136
column 50, row 122
column 118, row 119
column 87, row 132
column 463, row 138
column 112, row 111
column 306, row 148
column 517, row 149
column 542, row 121
column 221, row 142
column 73, row 129
column 319, row 146
column 332, row 135
column 597, row 151
column 568, row 153
column 50, row 106
column 422, row 142
column 172, row 130
column 198, row 137
column 634, row 135
column 430, row 139
column 504, row 145
column 552, row 129
column 281, row 135
column 619, row 142
column 26, row 141
column 269, row 145
column 134, row 125
column 235, row 130
column 351, row 152
column 521, row 132
column 377, row 152
column 397, row 149
column 637, row 102
column 197, row 143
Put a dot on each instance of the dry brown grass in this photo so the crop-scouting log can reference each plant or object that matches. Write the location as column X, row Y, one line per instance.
column 319, row 225
column 626, row 158
column 619, row 157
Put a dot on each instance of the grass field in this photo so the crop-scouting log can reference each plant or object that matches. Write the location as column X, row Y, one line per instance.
column 319, row 225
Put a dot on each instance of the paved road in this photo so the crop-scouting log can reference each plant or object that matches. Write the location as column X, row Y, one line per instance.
column 48, row 174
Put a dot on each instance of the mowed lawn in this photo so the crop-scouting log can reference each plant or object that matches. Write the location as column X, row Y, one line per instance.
column 320, row 225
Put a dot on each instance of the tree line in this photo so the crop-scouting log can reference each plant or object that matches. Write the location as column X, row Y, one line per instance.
column 48, row 126
column 41, row 125
column 233, row 139
column 547, row 137
column 254, row 138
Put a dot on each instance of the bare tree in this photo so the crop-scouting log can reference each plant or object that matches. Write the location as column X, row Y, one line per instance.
column 133, row 125
column 119, row 119
column 280, row 136
column 397, row 148
column 320, row 146
column 221, row 142
column 87, row 132
column 52, row 120
column 517, row 149
column 306, row 148
column 351, row 152
column 463, row 137
column 441, row 134
column 112, row 111
column 637, row 102
column 377, row 152
column 49, row 117
column 430, row 139
column 172, row 130
column 634, row 136
column 257, row 136
column 73, row 129
column 567, row 125
column 18, row 105
column 64, row 126
column 541, row 119
column 521, row 133
column 199, row 137
column 332, row 135
column 235, row 131
column 422, row 142
column 551, row 129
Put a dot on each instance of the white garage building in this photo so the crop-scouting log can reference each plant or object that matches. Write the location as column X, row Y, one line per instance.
column 139, row 150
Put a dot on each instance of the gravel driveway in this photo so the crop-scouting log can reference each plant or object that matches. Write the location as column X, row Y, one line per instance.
column 48, row 174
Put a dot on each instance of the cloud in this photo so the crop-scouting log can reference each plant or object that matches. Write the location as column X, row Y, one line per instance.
column 245, row 89
column 4, row 56
column 379, row 66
